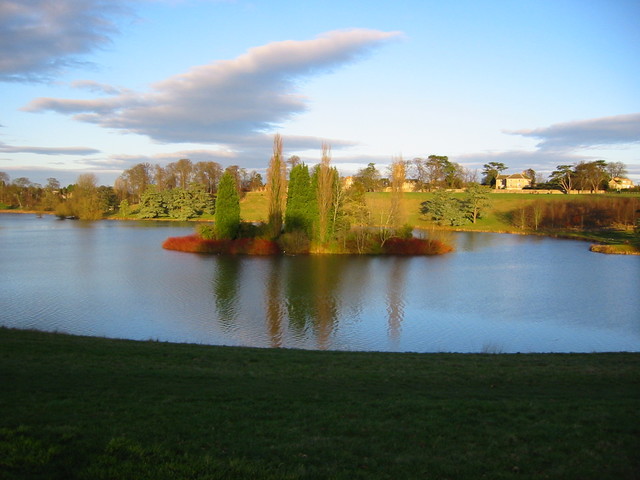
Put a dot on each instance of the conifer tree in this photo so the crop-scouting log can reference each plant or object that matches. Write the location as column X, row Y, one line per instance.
column 300, row 211
column 227, row 215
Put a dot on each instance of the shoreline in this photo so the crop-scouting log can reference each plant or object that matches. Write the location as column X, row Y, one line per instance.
column 596, row 246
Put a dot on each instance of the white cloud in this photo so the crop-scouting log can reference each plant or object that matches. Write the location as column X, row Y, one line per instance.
column 615, row 130
column 40, row 38
column 47, row 150
column 226, row 101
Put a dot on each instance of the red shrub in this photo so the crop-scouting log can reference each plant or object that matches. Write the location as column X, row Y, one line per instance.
column 240, row 246
column 415, row 246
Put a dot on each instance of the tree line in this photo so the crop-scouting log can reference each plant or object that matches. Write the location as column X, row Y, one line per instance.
column 184, row 189
column 83, row 199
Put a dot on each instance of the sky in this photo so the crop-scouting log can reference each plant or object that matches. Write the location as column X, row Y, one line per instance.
column 97, row 86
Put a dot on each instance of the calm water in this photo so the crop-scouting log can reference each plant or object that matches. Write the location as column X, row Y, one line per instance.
column 496, row 293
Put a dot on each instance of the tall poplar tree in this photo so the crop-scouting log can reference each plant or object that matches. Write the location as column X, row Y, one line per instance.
column 325, row 194
column 227, row 215
column 398, row 177
column 276, row 187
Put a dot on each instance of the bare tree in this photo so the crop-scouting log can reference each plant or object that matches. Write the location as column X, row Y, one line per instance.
column 398, row 177
column 616, row 169
column 208, row 174
column 325, row 193
column 134, row 181
column 276, row 186
column 183, row 171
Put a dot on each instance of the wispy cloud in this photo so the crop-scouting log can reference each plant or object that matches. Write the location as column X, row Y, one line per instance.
column 40, row 38
column 606, row 131
column 254, row 154
column 96, row 87
column 226, row 101
column 47, row 150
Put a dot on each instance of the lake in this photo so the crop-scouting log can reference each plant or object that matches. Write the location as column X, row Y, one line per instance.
column 496, row 293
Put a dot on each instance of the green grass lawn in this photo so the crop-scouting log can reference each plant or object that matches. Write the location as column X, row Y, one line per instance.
column 88, row 408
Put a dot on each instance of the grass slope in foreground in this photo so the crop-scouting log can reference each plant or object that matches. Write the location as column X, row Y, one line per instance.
column 87, row 408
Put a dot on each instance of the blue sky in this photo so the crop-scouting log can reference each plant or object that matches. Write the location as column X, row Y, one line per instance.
column 98, row 86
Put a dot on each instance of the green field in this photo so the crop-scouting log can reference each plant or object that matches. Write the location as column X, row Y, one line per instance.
column 497, row 218
column 88, row 408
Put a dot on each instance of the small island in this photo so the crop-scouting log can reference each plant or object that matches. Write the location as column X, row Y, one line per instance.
column 311, row 213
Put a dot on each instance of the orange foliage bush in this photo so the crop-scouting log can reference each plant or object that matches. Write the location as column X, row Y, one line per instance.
column 240, row 246
column 261, row 246
column 415, row 246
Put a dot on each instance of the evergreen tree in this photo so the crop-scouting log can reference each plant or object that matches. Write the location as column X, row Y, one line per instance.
column 152, row 203
column 300, row 211
column 227, row 216
column 444, row 209
column 476, row 201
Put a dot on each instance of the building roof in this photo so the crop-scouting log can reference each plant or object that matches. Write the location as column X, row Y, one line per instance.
column 513, row 175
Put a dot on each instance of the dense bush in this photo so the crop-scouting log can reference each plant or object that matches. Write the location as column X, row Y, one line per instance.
column 591, row 213
column 294, row 243
column 240, row 246
column 415, row 246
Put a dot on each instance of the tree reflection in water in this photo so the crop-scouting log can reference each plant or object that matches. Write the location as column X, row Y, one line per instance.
column 396, row 298
column 273, row 302
column 225, row 290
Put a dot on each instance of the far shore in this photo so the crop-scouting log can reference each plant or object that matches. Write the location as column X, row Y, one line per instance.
column 601, row 241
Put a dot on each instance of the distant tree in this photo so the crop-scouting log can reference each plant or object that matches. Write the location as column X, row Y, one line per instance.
column 563, row 176
column 4, row 182
column 183, row 172
column 20, row 189
column 434, row 166
column 124, row 209
column 276, row 187
column 152, row 203
column 86, row 203
column 616, row 169
column 437, row 171
column 184, row 204
column 255, row 181
column 356, row 213
column 398, row 178
column 134, row 181
column 369, row 177
column 591, row 176
column 444, row 209
column 227, row 216
column 163, row 178
column 235, row 172
column 530, row 173
column 491, row 172
column 51, row 196
column 207, row 174
column 292, row 161
column 477, row 200
column 108, row 198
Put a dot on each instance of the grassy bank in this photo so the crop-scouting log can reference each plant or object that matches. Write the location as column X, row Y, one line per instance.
column 93, row 408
